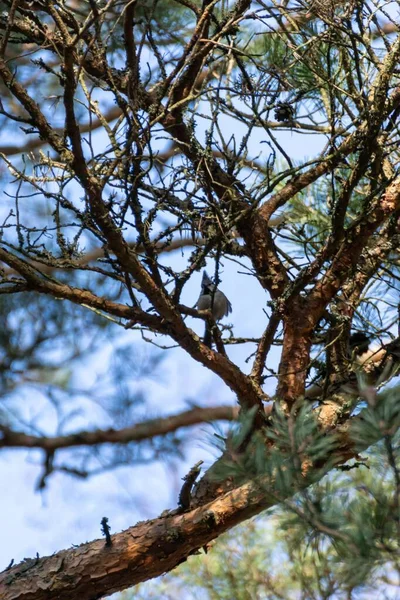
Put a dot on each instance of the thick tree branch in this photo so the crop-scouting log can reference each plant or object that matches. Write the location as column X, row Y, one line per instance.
column 144, row 551
column 150, row 548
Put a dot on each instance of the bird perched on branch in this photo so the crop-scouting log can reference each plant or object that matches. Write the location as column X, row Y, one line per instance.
column 211, row 298
column 359, row 347
column 370, row 366
column 377, row 363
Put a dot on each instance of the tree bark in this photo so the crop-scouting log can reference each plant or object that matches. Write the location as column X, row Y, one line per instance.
column 137, row 554
column 153, row 547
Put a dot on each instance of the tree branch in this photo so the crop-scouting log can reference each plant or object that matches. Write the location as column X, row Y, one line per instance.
column 150, row 548
column 10, row 438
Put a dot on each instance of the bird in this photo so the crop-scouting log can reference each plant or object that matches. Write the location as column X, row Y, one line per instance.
column 359, row 347
column 371, row 365
column 212, row 298
column 374, row 363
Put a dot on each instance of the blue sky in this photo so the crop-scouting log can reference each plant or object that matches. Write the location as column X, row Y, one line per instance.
column 69, row 510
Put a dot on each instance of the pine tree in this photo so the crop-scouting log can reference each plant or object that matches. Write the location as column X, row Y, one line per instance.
column 259, row 140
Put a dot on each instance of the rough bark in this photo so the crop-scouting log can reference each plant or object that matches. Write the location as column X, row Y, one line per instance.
column 152, row 547
column 140, row 553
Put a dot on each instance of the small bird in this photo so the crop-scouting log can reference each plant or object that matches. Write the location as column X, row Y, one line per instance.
column 212, row 298
column 359, row 347
column 375, row 363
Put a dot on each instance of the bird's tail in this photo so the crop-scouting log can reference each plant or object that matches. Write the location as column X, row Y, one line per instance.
column 207, row 336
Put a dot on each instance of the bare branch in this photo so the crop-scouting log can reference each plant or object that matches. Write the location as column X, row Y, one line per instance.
column 9, row 438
